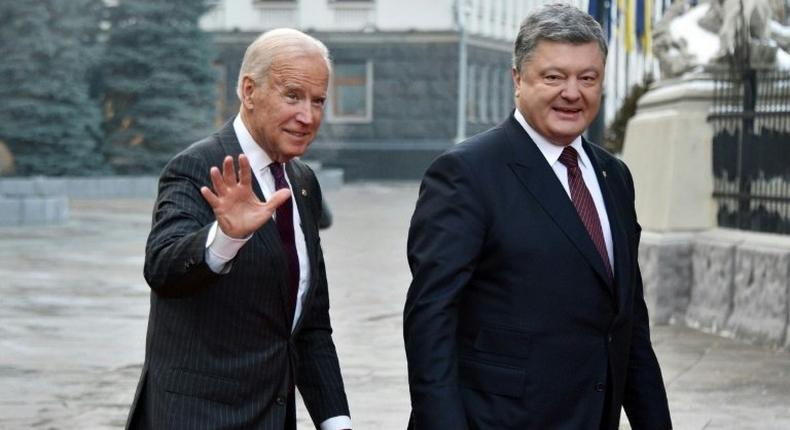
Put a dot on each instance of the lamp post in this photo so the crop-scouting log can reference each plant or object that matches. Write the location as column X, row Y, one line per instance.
column 463, row 9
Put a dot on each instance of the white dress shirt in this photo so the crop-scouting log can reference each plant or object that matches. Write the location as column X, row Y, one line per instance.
column 221, row 248
column 552, row 153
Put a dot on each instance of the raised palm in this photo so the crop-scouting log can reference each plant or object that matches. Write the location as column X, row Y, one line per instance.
column 238, row 210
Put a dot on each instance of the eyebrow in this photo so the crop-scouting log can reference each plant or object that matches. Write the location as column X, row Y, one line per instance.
column 291, row 86
column 564, row 71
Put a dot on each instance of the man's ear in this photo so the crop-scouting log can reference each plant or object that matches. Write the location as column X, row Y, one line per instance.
column 516, row 80
column 248, row 88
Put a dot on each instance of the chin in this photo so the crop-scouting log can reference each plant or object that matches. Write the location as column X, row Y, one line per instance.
column 564, row 135
column 297, row 152
column 569, row 133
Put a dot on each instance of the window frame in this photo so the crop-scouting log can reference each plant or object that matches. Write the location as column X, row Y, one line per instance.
column 332, row 116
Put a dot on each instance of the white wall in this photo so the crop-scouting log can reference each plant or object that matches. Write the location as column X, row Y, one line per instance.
column 497, row 19
column 416, row 14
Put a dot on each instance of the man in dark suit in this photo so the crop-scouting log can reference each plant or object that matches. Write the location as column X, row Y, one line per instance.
column 239, row 305
column 526, row 308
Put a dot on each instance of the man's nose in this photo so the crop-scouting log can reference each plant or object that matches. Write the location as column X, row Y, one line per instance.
column 571, row 90
column 305, row 114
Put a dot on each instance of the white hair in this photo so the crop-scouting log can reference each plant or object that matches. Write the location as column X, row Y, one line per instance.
column 262, row 53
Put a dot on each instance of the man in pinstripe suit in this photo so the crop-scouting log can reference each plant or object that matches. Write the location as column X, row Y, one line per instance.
column 239, row 305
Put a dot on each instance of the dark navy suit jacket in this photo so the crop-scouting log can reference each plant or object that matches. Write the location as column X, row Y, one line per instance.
column 511, row 321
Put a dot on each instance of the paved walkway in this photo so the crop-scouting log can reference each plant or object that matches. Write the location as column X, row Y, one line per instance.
column 74, row 306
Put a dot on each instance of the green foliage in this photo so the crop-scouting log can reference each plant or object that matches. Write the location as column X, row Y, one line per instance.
column 47, row 117
column 614, row 136
column 157, row 82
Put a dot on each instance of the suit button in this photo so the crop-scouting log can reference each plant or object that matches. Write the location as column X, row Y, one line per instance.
column 279, row 400
column 610, row 338
column 599, row 387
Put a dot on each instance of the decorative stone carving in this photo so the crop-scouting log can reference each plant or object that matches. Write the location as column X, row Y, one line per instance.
column 714, row 25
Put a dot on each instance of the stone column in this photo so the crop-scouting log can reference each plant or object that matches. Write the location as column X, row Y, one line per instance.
column 668, row 147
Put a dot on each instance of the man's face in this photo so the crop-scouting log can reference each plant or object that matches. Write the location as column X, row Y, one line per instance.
column 559, row 89
column 284, row 112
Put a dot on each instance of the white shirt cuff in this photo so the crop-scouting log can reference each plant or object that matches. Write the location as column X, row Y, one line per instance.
column 221, row 248
column 337, row 423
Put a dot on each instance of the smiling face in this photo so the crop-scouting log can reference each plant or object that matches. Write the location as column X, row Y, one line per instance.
column 283, row 113
column 559, row 89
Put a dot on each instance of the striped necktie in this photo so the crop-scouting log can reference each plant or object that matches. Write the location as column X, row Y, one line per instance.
column 285, row 226
column 584, row 204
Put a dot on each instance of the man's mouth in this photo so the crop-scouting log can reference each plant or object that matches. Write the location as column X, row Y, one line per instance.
column 299, row 134
column 568, row 111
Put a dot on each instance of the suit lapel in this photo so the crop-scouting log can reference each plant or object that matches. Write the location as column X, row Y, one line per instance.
column 539, row 179
column 301, row 196
column 230, row 143
column 614, row 203
column 267, row 236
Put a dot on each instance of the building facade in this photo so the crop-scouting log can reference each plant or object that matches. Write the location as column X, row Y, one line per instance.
column 410, row 78
column 397, row 85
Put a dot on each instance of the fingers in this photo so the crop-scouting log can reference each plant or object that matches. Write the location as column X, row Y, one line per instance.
column 216, row 181
column 228, row 172
column 245, row 173
column 212, row 199
column 222, row 181
column 278, row 198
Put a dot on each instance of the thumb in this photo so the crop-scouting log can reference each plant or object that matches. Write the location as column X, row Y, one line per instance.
column 278, row 198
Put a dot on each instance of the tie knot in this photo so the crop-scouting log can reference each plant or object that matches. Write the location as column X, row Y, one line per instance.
column 569, row 157
column 279, row 175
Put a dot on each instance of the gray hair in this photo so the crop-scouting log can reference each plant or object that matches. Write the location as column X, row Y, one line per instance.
column 263, row 52
column 556, row 22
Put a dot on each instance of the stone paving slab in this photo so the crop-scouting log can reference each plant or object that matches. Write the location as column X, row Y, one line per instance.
column 74, row 307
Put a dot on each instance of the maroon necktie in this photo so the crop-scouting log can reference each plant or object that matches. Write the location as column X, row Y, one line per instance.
column 585, row 206
column 285, row 225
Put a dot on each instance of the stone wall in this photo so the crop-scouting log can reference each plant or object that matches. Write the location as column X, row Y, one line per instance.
column 664, row 259
column 728, row 282
column 45, row 200
column 121, row 187
column 33, row 210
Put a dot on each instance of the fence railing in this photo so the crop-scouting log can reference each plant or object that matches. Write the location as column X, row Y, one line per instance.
column 751, row 149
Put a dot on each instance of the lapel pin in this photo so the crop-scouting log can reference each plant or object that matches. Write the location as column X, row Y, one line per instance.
column 304, row 192
column 604, row 173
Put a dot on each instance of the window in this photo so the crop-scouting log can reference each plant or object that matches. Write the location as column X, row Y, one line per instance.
column 507, row 92
column 496, row 94
column 471, row 94
column 482, row 94
column 351, row 92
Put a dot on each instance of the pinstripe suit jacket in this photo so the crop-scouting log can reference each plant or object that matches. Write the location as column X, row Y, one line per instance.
column 220, row 348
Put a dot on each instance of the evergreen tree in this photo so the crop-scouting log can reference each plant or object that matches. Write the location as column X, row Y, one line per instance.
column 158, row 82
column 47, row 117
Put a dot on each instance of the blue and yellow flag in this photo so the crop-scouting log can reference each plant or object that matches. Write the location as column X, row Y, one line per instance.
column 629, row 27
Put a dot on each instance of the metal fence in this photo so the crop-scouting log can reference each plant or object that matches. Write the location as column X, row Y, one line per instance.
column 751, row 149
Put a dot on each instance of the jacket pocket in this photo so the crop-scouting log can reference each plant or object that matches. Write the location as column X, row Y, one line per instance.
column 203, row 386
column 506, row 342
column 492, row 378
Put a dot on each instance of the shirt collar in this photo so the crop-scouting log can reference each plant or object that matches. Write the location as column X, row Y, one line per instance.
column 259, row 159
column 549, row 150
